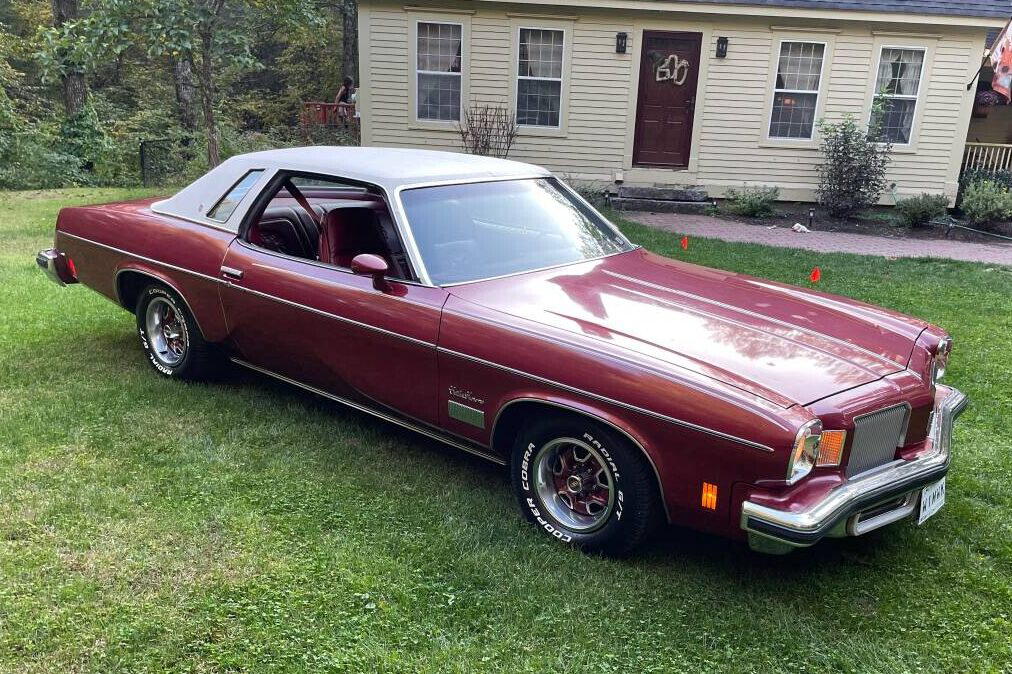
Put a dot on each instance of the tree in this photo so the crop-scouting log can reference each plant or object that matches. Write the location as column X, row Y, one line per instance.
column 852, row 175
column 75, row 89
column 212, row 38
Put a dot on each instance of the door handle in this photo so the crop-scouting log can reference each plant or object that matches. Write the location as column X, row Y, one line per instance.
column 231, row 272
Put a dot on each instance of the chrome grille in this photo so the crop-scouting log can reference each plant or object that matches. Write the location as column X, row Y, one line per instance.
column 876, row 437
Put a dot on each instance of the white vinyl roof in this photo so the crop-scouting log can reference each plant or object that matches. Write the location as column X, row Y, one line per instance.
column 388, row 168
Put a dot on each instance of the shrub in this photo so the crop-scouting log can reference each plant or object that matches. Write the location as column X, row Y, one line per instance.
column 488, row 130
column 753, row 202
column 918, row 211
column 986, row 201
column 594, row 193
column 853, row 172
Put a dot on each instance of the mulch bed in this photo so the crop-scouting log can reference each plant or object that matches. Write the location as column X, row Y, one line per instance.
column 876, row 222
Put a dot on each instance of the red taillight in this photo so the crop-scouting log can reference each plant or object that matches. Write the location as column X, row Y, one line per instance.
column 71, row 268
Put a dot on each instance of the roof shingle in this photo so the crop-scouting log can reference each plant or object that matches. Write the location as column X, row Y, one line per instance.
column 992, row 9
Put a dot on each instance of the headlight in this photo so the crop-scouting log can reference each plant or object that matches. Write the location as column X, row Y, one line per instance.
column 805, row 452
column 940, row 359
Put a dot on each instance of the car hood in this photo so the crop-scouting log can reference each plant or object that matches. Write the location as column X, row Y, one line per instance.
column 785, row 344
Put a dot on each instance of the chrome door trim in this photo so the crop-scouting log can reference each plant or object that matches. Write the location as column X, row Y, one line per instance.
column 610, row 401
column 423, row 430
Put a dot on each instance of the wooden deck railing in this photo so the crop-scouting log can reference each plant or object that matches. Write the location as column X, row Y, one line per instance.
column 327, row 114
column 987, row 156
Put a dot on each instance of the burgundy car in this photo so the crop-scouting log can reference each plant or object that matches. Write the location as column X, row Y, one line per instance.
column 482, row 302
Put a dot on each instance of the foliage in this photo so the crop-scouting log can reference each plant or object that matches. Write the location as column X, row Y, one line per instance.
column 852, row 175
column 266, row 57
column 1002, row 176
column 594, row 193
column 986, row 201
column 247, row 525
column 488, row 130
column 918, row 211
column 752, row 201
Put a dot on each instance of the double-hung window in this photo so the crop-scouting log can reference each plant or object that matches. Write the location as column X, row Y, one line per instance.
column 439, row 56
column 897, row 85
column 796, row 90
column 539, row 77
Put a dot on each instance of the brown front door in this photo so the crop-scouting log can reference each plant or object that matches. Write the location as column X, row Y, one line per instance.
column 669, row 70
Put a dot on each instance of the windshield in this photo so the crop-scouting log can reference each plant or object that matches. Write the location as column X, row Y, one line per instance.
column 481, row 230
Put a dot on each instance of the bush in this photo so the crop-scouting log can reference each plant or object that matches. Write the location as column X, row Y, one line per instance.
column 853, row 172
column 752, row 202
column 1001, row 176
column 986, row 201
column 594, row 193
column 918, row 211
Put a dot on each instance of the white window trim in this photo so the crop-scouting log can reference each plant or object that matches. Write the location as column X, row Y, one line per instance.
column 449, row 123
column 774, row 90
column 561, row 80
column 916, row 99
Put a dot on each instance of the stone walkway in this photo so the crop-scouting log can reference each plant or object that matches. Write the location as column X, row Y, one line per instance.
column 825, row 242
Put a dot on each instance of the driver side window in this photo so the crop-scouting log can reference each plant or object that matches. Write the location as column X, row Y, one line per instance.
column 328, row 221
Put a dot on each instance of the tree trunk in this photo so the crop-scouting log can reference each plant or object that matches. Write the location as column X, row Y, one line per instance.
column 186, row 106
column 75, row 89
column 207, row 98
column 349, row 20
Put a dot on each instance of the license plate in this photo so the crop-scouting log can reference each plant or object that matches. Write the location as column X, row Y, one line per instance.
column 932, row 499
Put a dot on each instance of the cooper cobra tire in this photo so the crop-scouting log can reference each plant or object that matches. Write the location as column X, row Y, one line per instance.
column 585, row 485
column 170, row 337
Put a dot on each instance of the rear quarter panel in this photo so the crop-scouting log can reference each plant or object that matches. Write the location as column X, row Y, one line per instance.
column 107, row 239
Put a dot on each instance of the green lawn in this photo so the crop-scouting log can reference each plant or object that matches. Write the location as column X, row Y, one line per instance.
column 148, row 525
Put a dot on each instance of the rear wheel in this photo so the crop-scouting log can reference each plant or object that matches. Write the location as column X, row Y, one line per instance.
column 584, row 484
column 170, row 336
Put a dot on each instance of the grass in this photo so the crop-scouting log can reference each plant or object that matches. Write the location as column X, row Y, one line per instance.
column 148, row 525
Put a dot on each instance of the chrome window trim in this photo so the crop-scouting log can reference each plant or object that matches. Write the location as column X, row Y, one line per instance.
column 401, row 218
column 238, row 215
column 425, row 430
column 611, row 401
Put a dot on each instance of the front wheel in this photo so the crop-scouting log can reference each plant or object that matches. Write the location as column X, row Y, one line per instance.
column 585, row 485
column 170, row 336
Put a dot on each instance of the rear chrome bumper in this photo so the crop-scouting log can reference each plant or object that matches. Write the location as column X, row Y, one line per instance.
column 53, row 262
column 867, row 502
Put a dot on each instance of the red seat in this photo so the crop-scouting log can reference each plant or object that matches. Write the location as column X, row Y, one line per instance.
column 347, row 232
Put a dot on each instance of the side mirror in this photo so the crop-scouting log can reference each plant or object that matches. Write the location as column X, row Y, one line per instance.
column 367, row 264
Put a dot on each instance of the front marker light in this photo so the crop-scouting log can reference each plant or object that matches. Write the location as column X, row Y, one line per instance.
column 831, row 448
column 805, row 452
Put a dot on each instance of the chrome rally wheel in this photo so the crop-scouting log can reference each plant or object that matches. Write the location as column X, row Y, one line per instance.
column 585, row 483
column 170, row 336
column 574, row 484
column 166, row 331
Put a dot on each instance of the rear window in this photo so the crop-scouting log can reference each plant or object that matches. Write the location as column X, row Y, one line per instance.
column 226, row 206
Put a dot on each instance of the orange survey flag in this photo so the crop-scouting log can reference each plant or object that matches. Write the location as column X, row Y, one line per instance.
column 816, row 275
column 1001, row 61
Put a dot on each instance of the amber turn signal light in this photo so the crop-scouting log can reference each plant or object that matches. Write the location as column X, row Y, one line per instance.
column 831, row 448
column 709, row 496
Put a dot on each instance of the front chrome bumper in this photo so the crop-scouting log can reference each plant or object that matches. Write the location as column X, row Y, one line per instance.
column 838, row 513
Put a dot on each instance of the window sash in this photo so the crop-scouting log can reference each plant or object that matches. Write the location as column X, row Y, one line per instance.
column 539, row 63
column 455, row 70
column 783, row 73
column 907, row 130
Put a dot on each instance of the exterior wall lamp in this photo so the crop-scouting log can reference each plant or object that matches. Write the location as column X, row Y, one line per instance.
column 621, row 42
column 721, row 47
